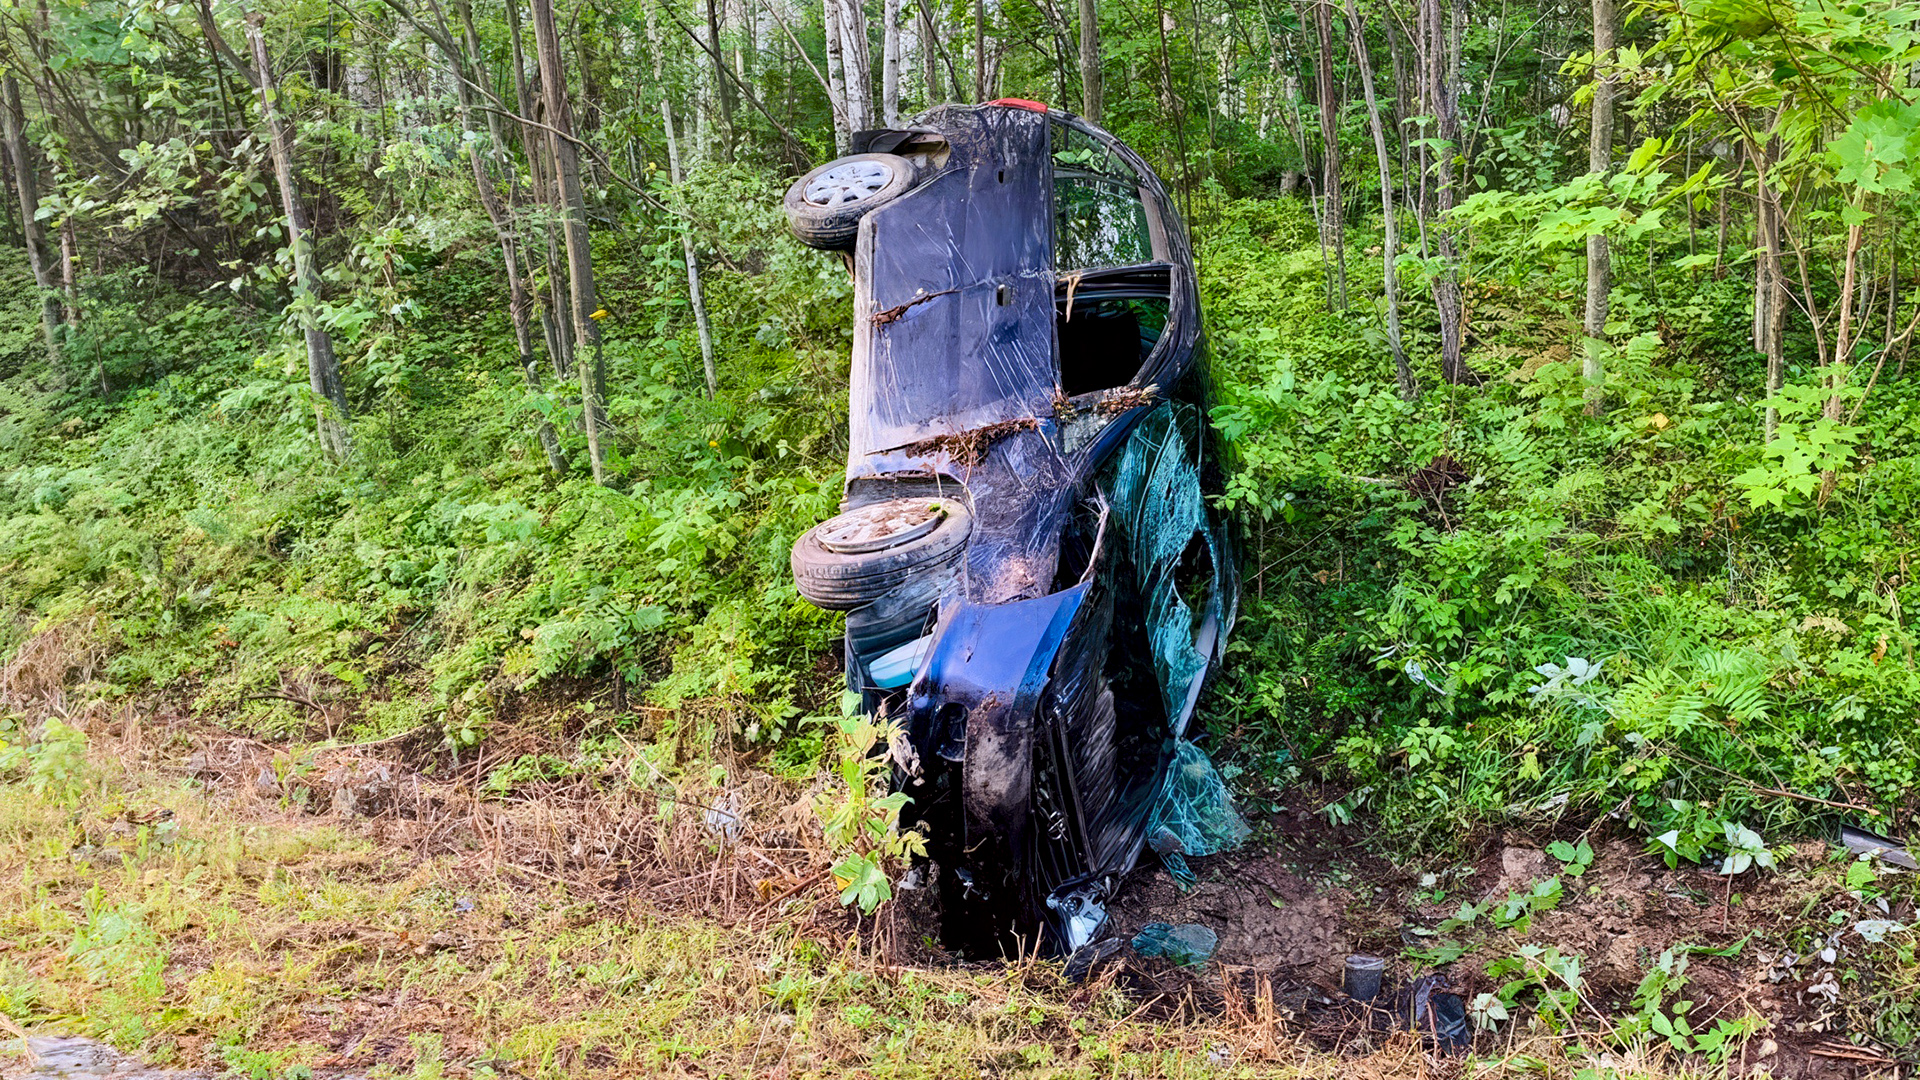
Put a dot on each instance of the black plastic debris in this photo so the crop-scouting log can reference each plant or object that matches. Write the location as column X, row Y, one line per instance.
column 1361, row 979
column 1862, row 842
column 1087, row 959
column 1436, row 1013
column 1426, row 1005
column 1189, row 944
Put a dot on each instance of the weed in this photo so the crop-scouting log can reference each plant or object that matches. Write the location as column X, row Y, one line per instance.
column 862, row 823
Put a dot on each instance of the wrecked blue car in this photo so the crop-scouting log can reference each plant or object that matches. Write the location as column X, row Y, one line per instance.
column 1036, row 586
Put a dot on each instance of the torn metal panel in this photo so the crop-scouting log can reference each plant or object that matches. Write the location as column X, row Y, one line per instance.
column 980, row 235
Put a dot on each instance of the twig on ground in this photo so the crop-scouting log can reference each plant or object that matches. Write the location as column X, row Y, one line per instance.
column 26, row 1045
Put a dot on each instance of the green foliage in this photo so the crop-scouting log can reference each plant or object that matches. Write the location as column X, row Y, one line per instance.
column 1550, row 981
column 1576, row 858
column 1805, row 446
column 53, row 766
column 1424, row 579
column 860, row 818
column 443, row 568
column 1659, row 1012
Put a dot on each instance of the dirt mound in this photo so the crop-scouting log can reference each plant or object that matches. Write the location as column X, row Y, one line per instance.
column 1290, row 917
column 1267, row 917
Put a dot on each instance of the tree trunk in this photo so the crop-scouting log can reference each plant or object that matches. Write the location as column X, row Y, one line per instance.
column 890, row 64
column 506, row 232
column 1390, row 243
column 1599, row 160
column 1092, row 89
column 331, row 415
column 26, row 186
column 696, row 296
column 1400, row 103
column 1444, row 106
column 552, row 325
column 1769, row 279
column 857, row 60
column 979, row 51
column 836, row 76
column 1331, row 225
column 929, row 59
column 573, row 208
column 723, row 87
column 70, row 298
column 1834, row 408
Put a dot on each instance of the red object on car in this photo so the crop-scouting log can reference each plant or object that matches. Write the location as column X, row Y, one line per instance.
column 1020, row 103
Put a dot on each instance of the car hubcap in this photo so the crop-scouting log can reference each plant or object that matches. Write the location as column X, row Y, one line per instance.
column 849, row 183
column 881, row 526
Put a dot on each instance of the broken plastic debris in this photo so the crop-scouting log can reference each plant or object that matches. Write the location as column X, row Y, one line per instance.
column 1438, row 1014
column 1862, row 842
column 896, row 667
column 1189, row 945
column 1087, row 958
column 1419, row 674
column 1082, row 910
column 1876, row 930
column 723, row 818
column 1194, row 814
column 1362, row 977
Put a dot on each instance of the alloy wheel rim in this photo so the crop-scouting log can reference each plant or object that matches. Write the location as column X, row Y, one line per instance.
column 851, row 182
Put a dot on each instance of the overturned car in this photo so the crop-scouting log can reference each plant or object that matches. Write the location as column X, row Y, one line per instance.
column 1035, row 584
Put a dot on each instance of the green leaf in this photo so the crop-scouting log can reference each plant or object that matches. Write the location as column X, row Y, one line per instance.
column 1870, row 154
column 863, row 883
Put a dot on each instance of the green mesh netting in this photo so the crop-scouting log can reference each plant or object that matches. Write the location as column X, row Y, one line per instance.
column 1193, row 814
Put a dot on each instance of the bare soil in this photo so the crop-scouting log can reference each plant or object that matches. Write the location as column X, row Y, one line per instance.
column 1290, row 910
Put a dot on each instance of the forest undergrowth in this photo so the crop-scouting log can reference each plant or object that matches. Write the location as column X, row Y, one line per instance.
column 1477, row 614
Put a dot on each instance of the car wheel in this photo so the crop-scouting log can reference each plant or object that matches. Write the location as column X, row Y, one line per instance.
column 825, row 206
column 851, row 560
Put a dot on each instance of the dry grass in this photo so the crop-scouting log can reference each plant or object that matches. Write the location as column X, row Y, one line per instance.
column 207, row 899
column 38, row 677
column 200, row 899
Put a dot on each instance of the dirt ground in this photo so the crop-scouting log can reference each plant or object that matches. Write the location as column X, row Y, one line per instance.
column 1289, row 908
column 1293, row 909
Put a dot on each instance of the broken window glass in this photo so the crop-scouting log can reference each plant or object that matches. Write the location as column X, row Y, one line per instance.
column 1098, row 219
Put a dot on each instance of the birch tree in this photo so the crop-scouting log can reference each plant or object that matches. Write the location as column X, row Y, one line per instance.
column 857, row 60
column 890, row 63
column 1332, row 227
column 1092, row 90
column 696, row 296
column 331, row 414
column 1442, row 103
column 33, row 229
column 843, row 126
column 1390, row 242
column 1599, row 160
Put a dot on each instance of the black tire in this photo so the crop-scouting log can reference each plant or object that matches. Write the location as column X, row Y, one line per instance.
column 853, row 559
column 825, row 206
